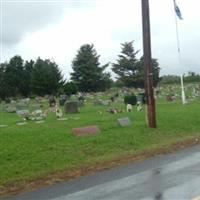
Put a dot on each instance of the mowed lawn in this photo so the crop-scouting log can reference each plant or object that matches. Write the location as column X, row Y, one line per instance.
column 35, row 150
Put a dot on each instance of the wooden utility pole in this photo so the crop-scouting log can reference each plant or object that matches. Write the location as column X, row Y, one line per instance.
column 151, row 113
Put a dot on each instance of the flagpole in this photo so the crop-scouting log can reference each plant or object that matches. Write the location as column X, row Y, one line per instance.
column 182, row 91
column 179, row 56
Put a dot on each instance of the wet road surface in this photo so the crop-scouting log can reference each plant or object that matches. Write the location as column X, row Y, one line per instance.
column 173, row 177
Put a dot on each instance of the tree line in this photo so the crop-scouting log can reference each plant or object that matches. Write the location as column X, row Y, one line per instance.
column 43, row 76
column 190, row 77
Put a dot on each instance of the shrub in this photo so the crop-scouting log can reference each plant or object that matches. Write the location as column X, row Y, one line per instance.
column 130, row 99
column 70, row 88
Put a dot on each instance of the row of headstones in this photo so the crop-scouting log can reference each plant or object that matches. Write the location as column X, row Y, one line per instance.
column 39, row 121
column 93, row 130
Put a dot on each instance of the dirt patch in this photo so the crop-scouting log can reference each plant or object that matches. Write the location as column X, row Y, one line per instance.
column 16, row 188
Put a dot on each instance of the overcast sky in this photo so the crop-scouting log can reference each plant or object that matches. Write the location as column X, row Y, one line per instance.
column 57, row 29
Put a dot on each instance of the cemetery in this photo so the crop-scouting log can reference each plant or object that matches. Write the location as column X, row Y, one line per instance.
column 45, row 135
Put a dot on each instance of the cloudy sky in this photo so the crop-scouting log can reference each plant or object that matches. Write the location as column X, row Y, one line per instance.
column 56, row 29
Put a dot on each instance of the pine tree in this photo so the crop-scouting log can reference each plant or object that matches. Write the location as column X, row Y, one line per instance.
column 130, row 70
column 87, row 73
column 46, row 77
column 14, row 76
column 127, row 66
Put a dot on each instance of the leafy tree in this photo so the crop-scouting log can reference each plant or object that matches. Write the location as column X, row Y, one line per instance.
column 46, row 77
column 130, row 70
column 87, row 73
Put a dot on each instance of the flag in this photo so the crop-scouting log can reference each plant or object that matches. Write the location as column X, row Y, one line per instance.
column 177, row 10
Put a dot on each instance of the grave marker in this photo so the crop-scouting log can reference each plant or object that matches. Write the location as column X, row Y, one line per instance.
column 21, row 123
column 84, row 131
column 124, row 121
column 71, row 107
column 39, row 122
column 3, row 125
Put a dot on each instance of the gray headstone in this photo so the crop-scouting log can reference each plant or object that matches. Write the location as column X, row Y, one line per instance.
column 21, row 105
column 39, row 122
column 105, row 103
column 124, row 121
column 3, row 125
column 62, row 119
column 71, row 107
column 21, row 123
column 11, row 109
column 36, row 106
column 98, row 102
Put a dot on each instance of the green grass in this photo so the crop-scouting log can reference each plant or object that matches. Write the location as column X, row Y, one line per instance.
column 35, row 150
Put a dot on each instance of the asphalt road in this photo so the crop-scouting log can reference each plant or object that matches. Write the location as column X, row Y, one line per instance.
column 174, row 177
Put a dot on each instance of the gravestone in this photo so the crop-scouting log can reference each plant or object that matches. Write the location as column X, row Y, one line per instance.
column 36, row 106
column 124, row 121
column 105, row 103
column 52, row 101
column 3, row 125
column 62, row 119
column 11, row 109
column 112, row 99
column 142, row 98
column 21, row 123
column 39, row 122
column 84, row 131
column 129, row 107
column 62, row 100
column 21, row 105
column 98, row 102
column 71, row 107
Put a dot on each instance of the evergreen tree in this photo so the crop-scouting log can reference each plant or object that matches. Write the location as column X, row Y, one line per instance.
column 46, row 78
column 28, row 67
column 141, row 74
column 14, row 76
column 130, row 70
column 3, row 88
column 87, row 73
column 127, row 66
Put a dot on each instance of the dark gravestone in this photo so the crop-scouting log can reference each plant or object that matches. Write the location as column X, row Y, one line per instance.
column 52, row 101
column 112, row 99
column 141, row 98
column 71, row 107
column 62, row 100
column 124, row 121
column 83, row 131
